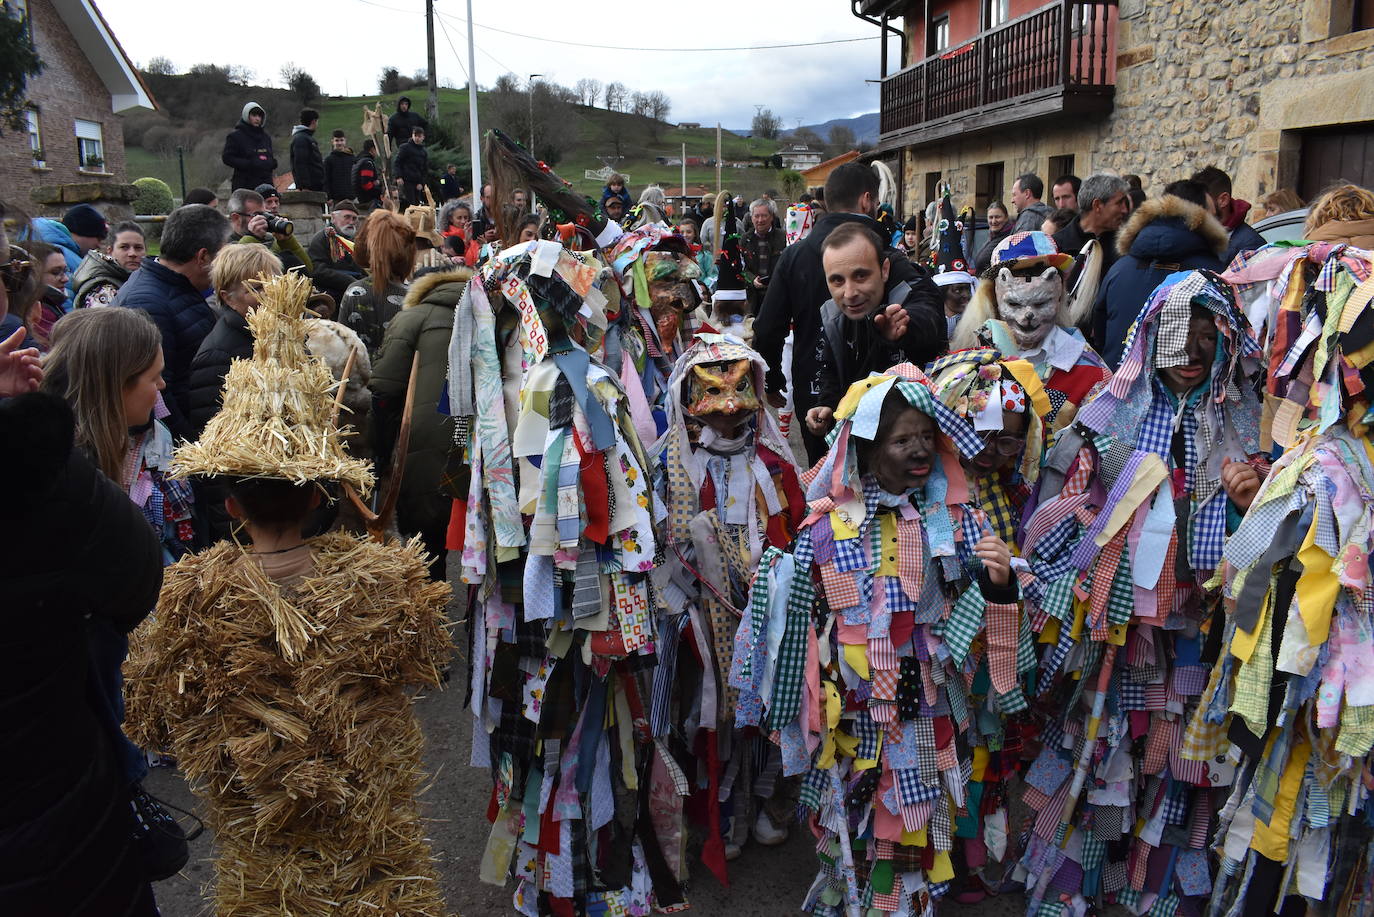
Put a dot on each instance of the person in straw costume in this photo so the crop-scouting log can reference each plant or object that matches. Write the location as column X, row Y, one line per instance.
column 276, row 672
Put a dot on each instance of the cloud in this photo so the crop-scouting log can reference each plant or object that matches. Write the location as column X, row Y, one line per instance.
column 809, row 85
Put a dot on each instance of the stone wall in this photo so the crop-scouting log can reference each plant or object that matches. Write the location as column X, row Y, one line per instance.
column 1224, row 83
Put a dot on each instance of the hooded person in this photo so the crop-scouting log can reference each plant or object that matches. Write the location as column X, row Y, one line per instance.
column 325, row 638
column 248, row 150
column 1133, row 509
column 1288, row 695
column 403, row 121
column 870, row 705
column 1021, row 309
column 732, row 492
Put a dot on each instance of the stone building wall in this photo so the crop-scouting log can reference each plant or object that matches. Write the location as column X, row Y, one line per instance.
column 1226, row 83
column 68, row 88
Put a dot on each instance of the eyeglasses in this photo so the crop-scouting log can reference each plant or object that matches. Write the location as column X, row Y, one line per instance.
column 1003, row 445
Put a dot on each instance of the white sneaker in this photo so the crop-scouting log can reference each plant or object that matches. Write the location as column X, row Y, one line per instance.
column 767, row 833
column 731, row 851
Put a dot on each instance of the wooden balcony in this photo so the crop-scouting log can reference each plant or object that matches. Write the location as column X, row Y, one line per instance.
column 1057, row 61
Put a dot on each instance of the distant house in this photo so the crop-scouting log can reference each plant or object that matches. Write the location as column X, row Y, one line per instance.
column 690, row 125
column 816, row 175
column 74, row 131
column 799, row 156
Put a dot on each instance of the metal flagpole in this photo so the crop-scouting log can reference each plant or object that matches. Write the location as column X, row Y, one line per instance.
column 683, row 192
column 474, row 132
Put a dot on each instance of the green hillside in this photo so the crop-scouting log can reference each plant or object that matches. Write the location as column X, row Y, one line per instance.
column 592, row 134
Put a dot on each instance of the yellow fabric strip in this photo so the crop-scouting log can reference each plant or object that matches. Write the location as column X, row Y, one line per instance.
column 1317, row 587
column 943, row 868
column 1023, row 372
column 856, row 656
column 1271, row 840
column 887, row 563
column 1149, row 475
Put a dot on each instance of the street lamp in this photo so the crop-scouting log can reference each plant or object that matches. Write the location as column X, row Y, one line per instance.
column 531, row 99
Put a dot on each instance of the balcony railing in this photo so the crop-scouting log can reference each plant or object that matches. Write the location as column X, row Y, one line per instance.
column 1059, row 59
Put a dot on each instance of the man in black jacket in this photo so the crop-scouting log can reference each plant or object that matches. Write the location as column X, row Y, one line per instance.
column 412, row 168
column 367, row 179
column 307, row 166
column 338, row 169
column 333, row 275
column 399, row 126
column 248, row 150
column 450, row 186
column 798, row 289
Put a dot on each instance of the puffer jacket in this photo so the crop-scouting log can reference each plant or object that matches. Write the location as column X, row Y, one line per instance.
column 248, row 151
column 307, row 165
column 96, row 270
column 338, row 175
column 227, row 341
column 184, row 318
column 1163, row 236
column 424, row 326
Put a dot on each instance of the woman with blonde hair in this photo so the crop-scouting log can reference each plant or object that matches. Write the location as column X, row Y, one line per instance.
column 1281, row 201
column 1343, row 213
column 234, row 276
column 385, row 248
column 107, row 365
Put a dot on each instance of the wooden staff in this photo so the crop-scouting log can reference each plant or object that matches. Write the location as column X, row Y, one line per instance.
column 376, row 523
column 1080, row 774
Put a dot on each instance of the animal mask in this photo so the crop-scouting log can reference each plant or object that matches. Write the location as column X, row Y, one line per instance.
column 1029, row 305
column 671, row 293
column 721, row 388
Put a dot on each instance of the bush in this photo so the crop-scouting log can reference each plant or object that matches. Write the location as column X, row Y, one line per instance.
column 153, row 197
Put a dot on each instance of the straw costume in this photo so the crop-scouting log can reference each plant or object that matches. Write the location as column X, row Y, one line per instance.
column 1130, row 521
column 858, row 650
column 282, row 687
column 731, row 492
column 1020, row 308
column 1292, row 694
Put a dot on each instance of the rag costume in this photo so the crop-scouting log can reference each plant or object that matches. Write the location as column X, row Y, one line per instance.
column 1129, row 525
column 858, row 650
column 1290, row 698
column 729, row 497
column 280, row 682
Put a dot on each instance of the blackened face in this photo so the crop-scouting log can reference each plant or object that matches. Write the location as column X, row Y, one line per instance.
column 904, row 454
column 1001, row 448
column 1202, row 348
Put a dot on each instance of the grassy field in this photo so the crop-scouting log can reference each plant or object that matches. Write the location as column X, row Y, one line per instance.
column 592, row 135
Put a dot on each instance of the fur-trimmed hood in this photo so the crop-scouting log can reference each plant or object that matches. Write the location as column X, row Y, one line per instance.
column 1170, row 239
column 426, row 288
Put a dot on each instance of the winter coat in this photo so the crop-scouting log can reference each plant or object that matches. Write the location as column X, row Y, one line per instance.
column 367, row 181
column 307, row 166
column 756, row 265
column 423, row 326
column 412, row 164
column 248, row 151
column 227, row 341
column 1244, row 238
column 75, row 553
column 848, row 351
column 399, row 125
column 1359, row 233
column 330, row 276
column 184, row 318
column 449, row 187
column 1163, row 236
column 56, row 234
column 797, row 292
column 338, row 175
column 1031, row 217
column 983, row 259
column 368, row 314
column 97, row 280
column 623, row 194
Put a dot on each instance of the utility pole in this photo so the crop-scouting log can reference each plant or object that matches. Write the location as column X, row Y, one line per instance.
column 530, row 94
column 432, row 103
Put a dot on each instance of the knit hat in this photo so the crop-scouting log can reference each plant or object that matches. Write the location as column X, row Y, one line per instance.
column 85, row 220
column 277, row 419
column 1027, row 249
column 267, row 190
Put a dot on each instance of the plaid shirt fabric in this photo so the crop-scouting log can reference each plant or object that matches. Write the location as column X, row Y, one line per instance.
column 791, row 662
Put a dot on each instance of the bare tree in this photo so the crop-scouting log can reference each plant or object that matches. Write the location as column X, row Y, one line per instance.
column 587, row 91
column 841, row 138
column 639, row 104
column 160, row 66
column 766, row 125
column 300, row 82
column 659, row 107
column 615, row 96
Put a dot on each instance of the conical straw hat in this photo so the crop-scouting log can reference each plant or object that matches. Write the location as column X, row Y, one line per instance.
column 276, row 421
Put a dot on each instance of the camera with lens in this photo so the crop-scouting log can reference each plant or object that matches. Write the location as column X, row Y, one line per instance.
column 279, row 225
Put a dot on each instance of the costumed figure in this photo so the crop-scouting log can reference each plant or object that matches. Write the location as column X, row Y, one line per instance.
column 858, row 648
column 1021, row 310
column 1132, row 510
column 558, row 536
column 279, row 674
column 800, row 220
column 730, row 301
column 731, row 492
column 1291, row 696
column 951, row 263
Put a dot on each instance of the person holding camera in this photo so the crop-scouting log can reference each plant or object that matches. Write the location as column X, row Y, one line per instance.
column 249, row 221
column 761, row 245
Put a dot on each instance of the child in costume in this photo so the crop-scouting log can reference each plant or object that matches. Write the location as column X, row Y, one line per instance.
column 1133, row 507
column 278, row 672
column 1291, row 696
column 732, row 492
column 1021, row 308
column 859, row 646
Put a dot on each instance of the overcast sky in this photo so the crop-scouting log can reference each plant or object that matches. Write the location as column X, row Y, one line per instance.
column 345, row 43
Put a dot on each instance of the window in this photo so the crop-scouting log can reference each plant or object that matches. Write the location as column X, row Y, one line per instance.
column 1362, row 16
column 1060, row 165
column 939, row 34
column 90, row 146
column 19, row 9
column 932, row 186
column 989, row 184
column 998, row 12
column 35, row 138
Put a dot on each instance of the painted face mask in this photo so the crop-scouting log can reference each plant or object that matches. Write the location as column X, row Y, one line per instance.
column 1029, row 305
column 671, row 293
column 721, row 388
